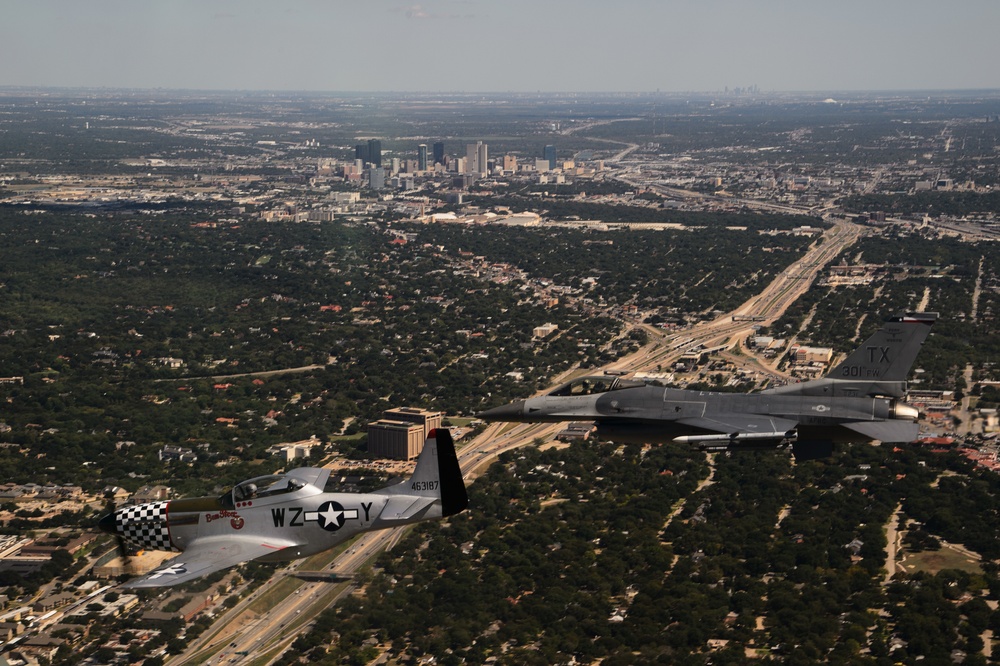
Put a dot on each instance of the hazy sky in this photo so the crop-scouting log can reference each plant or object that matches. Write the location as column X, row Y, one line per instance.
column 502, row 45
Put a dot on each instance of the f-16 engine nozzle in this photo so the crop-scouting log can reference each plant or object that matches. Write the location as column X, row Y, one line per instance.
column 903, row 411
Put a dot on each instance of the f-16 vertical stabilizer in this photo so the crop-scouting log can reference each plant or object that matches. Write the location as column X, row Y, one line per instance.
column 879, row 366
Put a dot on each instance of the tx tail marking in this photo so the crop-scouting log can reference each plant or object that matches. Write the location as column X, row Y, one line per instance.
column 884, row 351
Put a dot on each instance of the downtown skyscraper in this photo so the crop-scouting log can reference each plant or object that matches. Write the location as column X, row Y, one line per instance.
column 375, row 152
column 422, row 157
column 549, row 153
column 476, row 158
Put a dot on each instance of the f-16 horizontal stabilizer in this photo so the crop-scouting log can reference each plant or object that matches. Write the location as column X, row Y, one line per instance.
column 886, row 431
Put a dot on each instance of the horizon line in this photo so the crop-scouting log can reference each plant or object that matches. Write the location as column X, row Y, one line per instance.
column 743, row 91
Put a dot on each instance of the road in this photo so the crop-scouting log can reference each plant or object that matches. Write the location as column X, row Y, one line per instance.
column 617, row 157
column 892, row 547
column 262, row 373
column 765, row 308
column 244, row 629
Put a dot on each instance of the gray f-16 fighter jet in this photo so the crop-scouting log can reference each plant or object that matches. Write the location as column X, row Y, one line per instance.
column 860, row 400
column 285, row 516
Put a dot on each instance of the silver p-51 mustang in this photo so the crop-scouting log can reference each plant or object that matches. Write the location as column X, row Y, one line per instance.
column 285, row 516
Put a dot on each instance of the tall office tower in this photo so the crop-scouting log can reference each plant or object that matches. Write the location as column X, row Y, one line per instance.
column 376, row 178
column 470, row 158
column 550, row 154
column 476, row 158
column 361, row 152
column 439, row 152
column 510, row 163
column 482, row 158
column 422, row 157
column 375, row 152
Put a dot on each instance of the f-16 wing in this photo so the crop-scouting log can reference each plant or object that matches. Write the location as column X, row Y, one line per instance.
column 208, row 555
column 749, row 428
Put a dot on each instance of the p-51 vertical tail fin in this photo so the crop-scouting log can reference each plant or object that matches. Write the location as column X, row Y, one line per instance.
column 437, row 474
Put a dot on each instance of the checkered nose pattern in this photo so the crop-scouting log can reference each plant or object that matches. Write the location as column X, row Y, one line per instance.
column 145, row 525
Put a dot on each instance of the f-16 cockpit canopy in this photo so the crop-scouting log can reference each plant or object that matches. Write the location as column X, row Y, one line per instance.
column 594, row 384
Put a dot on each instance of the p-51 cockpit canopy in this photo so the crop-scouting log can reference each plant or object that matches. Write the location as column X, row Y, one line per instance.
column 594, row 384
column 273, row 485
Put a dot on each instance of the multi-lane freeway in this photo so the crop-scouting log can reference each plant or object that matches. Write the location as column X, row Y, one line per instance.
column 762, row 309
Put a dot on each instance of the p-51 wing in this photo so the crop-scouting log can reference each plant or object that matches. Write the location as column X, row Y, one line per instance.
column 208, row 555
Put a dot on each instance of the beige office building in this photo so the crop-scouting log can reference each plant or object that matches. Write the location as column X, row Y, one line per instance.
column 397, row 440
column 428, row 419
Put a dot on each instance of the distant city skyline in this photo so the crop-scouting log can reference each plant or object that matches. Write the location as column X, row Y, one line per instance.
column 515, row 45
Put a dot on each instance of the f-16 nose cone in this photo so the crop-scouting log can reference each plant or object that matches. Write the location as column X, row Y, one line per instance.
column 512, row 412
column 108, row 524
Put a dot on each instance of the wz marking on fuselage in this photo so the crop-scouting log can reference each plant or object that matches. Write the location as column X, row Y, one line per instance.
column 330, row 515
